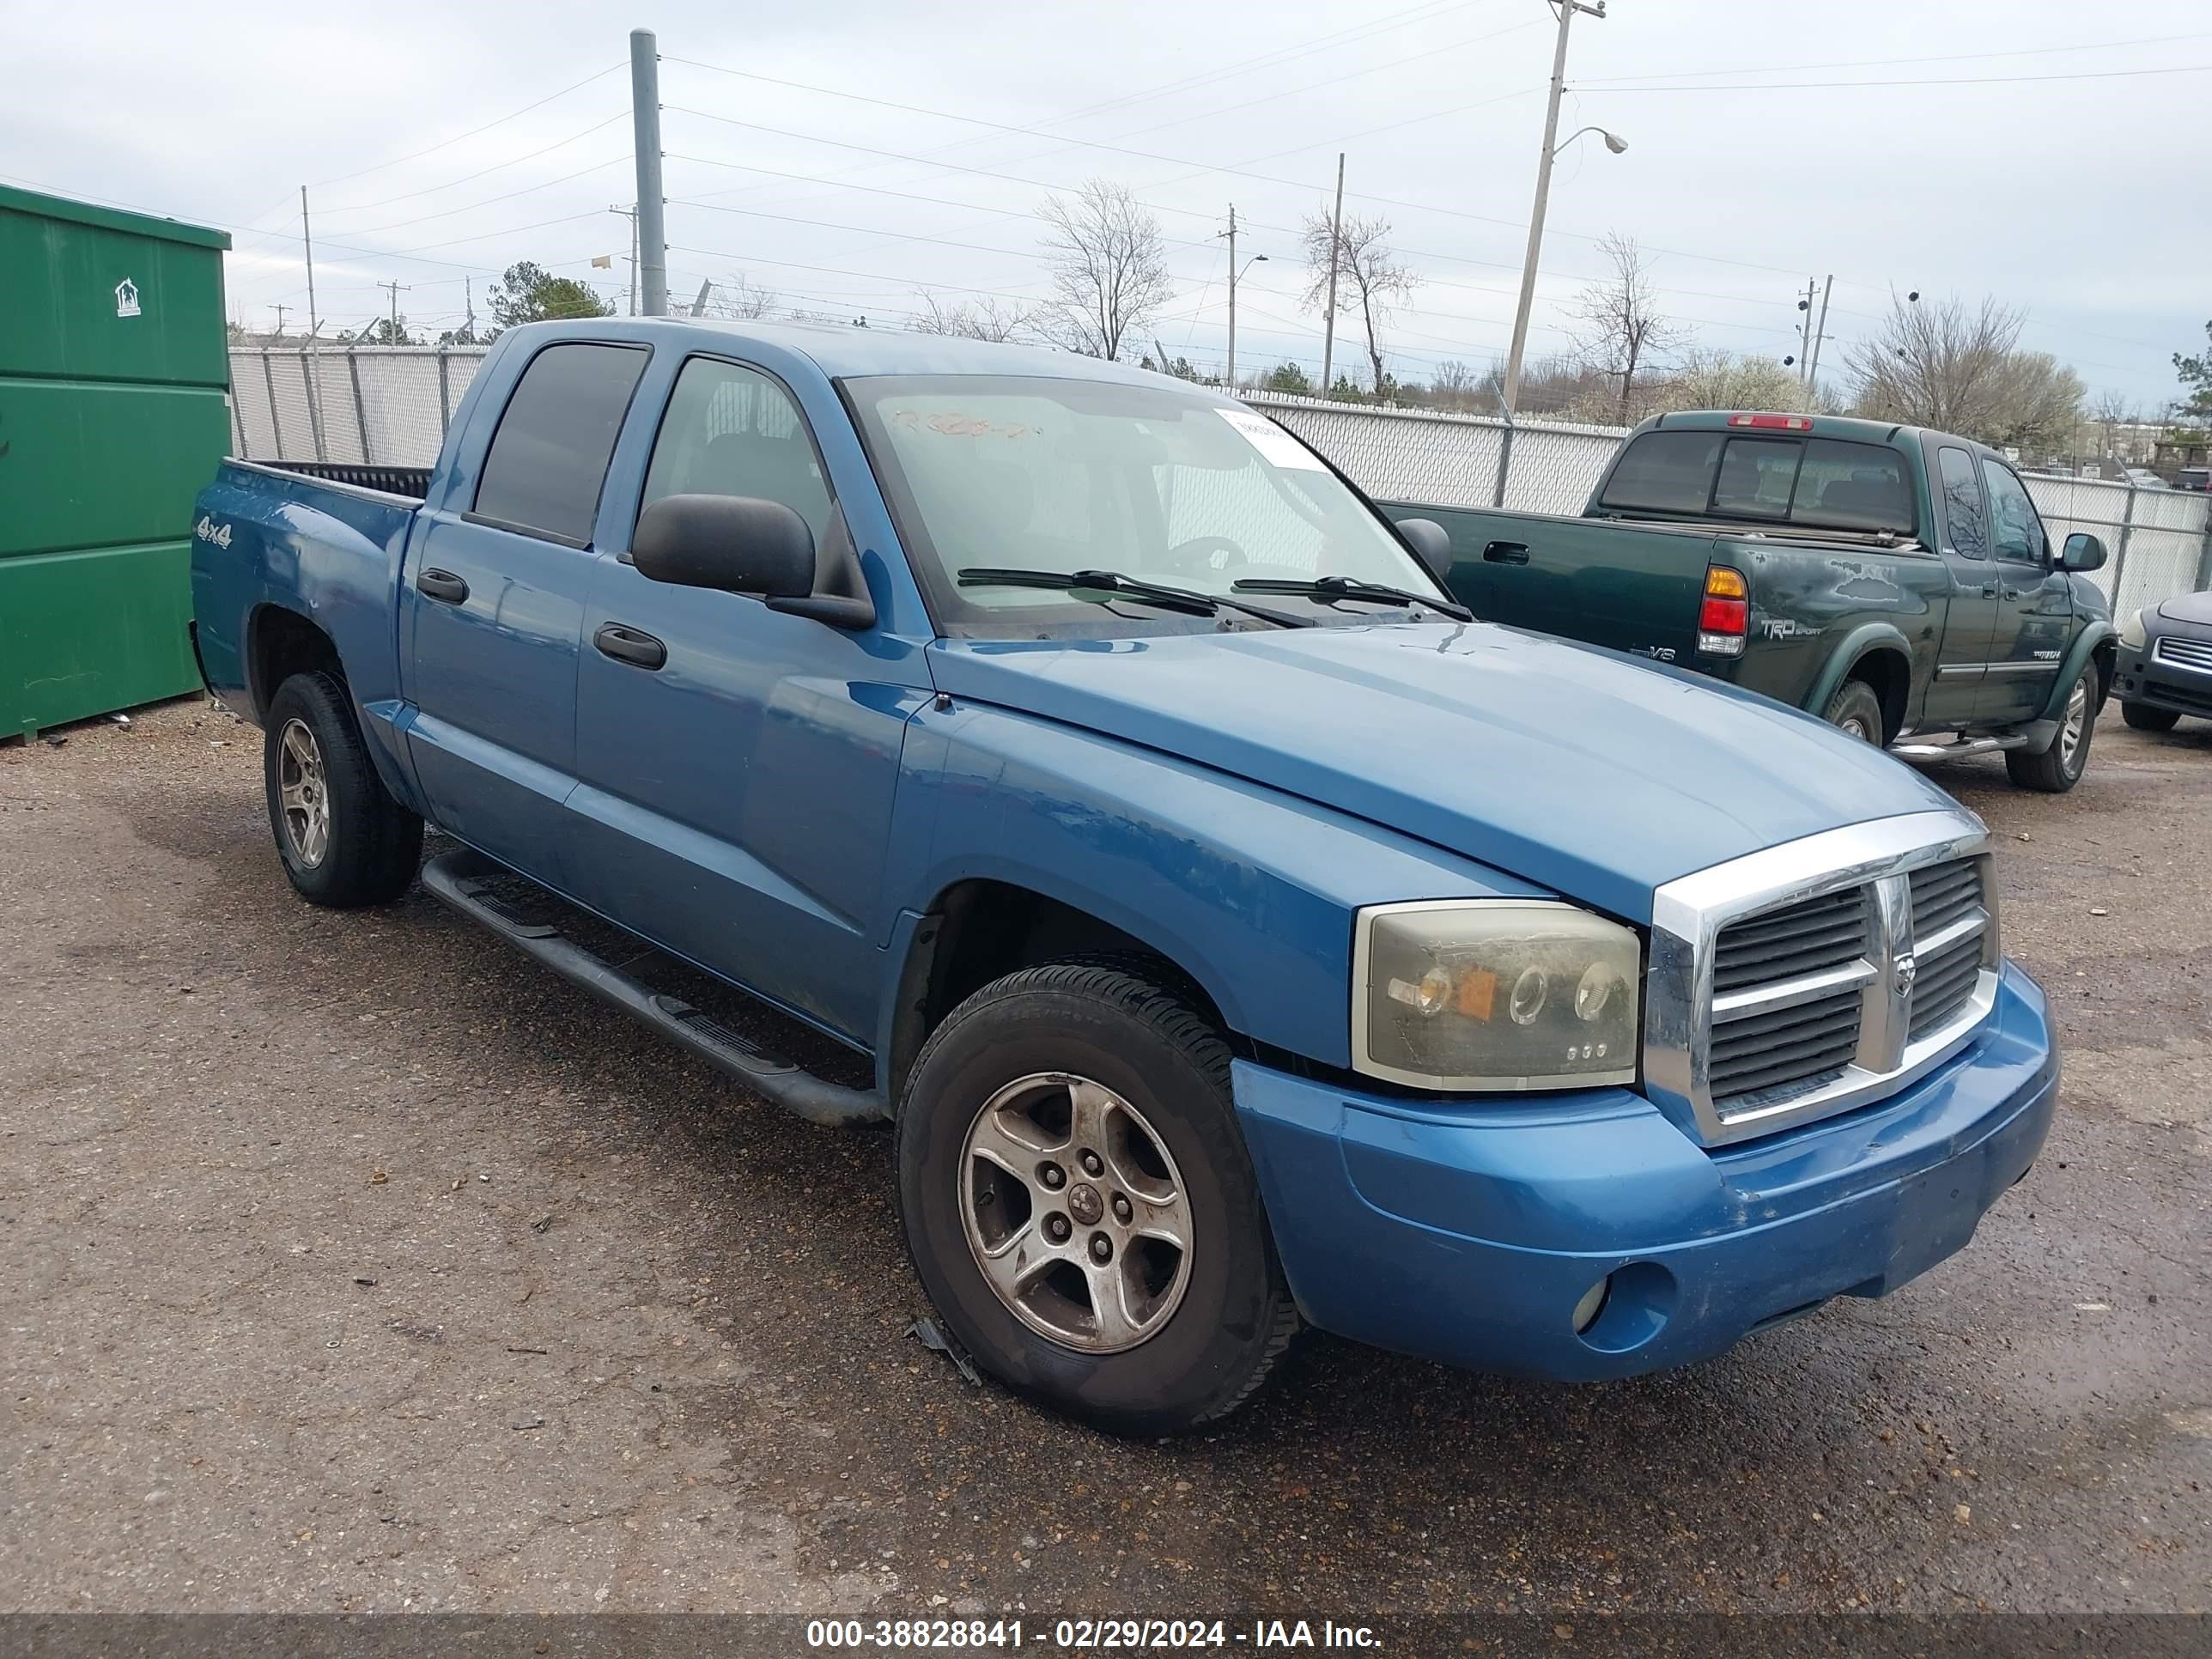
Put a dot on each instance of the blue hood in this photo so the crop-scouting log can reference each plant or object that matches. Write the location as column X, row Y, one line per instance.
column 1589, row 772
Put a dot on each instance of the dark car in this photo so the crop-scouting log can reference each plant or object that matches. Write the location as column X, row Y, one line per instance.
column 2164, row 669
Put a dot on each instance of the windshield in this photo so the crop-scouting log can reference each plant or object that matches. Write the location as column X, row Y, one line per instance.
column 1151, row 483
column 1815, row 484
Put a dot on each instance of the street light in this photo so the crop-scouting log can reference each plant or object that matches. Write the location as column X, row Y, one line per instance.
column 1551, row 148
column 1234, row 273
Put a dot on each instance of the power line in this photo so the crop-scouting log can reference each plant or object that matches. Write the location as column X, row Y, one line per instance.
column 1967, row 80
column 424, row 219
column 497, row 166
column 444, row 144
column 1889, row 63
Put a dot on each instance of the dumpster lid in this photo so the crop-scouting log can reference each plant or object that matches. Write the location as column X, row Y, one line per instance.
column 107, row 218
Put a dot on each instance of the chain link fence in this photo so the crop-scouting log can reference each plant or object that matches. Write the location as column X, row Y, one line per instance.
column 390, row 405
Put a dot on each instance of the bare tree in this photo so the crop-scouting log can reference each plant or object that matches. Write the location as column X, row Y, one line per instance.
column 2112, row 411
column 973, row 320
column 1110, row 267
column 1367, row 272
column 1957, row 367
column 1622, row 332
column 736, row 299
column 1454, row 385
column 1703, row 378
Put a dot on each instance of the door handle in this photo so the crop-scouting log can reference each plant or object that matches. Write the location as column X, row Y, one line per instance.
column 628, row 645
column 1989, row 590
column 442, row 586
column 1505, row 553
column 2017, row 592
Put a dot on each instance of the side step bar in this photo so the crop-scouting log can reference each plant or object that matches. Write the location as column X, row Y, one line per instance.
column 1962, row 748
column 459, row 879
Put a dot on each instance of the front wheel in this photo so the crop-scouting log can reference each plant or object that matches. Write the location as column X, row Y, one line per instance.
column 1079, row 1204
column 2058, row 768
column 2144, row 717
column 344, row 841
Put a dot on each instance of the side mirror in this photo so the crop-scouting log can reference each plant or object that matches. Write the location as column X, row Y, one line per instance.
column 2082, row 552
column 1431, row 543
column 740, row 543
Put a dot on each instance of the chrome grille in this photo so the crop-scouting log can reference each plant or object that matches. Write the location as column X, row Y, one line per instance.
column 1787, row 995
column 1947, row 941
column 2182, row 653
column 1817, row 975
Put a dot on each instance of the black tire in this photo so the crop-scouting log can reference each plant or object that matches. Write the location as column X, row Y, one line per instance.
column 1854, row 708
column 371, row 845
column 1234, row 1317
column 2144, row 717
column 2059, row 767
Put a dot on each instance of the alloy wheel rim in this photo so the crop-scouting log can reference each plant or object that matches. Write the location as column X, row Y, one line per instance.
column 2077, row 722
column 1075, row 1213
column 303, row 794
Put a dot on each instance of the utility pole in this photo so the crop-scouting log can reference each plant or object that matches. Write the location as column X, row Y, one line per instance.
column 650, row 223
column 1233, row 299
column 1567, row 8
column 630, row 214
column 281, row 310
column 395, row 289
column 1820, row 333
column 699, row 304
column 1234, row 273
column 314, row 328
column 1805, row 330
column 1335, row 259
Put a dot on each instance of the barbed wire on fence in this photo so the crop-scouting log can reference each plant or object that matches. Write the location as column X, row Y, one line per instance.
column 391, row 405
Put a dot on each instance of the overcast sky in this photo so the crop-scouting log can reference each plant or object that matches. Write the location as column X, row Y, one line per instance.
column 2074, row 182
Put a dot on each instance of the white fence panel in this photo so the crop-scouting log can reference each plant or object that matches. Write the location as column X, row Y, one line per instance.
column 392, row 405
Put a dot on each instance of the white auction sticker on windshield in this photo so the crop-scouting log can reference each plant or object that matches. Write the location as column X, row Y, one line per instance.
column 1275, row 445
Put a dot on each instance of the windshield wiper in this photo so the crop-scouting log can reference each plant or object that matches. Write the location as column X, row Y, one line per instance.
column 1350, row 587
column 1102, row 585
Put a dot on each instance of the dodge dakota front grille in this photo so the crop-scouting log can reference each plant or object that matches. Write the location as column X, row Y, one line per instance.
column 1947, row 941
column 1820, row 975
column 1786, row 998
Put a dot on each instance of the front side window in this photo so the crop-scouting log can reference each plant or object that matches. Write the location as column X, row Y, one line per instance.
column 733, row 431
column 547, row 458
column 2019, row 532
column 1965, row 521
column 1061, row 475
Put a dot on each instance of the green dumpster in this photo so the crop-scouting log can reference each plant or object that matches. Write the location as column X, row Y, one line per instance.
column 114, row 412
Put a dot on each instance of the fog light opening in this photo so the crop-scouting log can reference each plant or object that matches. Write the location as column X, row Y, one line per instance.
column 1592, row 1304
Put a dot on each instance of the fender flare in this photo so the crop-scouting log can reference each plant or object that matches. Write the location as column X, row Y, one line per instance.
column 1865, row 638
column 2093, row 634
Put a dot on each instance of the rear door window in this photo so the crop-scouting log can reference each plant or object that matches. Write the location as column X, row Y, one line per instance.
column 1965, row 518
column 548, row 459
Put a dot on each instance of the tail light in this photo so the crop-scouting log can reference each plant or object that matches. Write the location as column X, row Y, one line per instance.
column 1773, row 422
column 1725, row 616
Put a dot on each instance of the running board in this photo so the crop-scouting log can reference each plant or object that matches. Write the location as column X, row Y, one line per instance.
column 1962, row 748
column 460, row 880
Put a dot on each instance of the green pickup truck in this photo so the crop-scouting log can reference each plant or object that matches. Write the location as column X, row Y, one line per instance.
column 1895, row 581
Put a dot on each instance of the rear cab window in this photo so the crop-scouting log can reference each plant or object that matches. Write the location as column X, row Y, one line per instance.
column 1811, row 483
column 548, row 459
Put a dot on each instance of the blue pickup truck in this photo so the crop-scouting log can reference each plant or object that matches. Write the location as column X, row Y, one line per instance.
column 1241, row 936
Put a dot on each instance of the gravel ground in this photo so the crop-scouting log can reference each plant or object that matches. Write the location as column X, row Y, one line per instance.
column 351, row 1262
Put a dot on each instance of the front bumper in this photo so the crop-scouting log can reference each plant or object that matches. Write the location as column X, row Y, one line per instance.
column 1467, row 1232
column 2137, row 679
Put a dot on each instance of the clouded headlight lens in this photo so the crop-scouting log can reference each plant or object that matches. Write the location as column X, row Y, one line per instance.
column 1494, row 994
column 2131, row 632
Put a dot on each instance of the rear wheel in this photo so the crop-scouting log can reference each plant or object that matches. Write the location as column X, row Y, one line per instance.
column 2058, row 768
column 1855, row 710
column 1080, row 1203
column 344, row 841
column 2144, row 717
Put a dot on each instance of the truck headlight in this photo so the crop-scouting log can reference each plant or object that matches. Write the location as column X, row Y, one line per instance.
column 2132, row 631
column 1484, row 995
